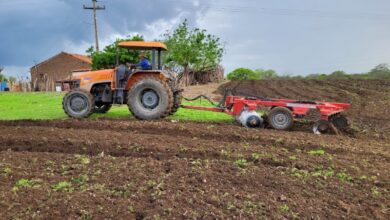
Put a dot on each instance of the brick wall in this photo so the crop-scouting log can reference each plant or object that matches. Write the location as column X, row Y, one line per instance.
column 59, row 67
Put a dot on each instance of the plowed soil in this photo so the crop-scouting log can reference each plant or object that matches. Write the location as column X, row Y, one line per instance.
column 370, row 99
column 129, row 169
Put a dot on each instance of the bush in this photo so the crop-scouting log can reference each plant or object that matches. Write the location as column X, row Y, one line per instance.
column 265, row 74
column 243, row 74
column 382, row 71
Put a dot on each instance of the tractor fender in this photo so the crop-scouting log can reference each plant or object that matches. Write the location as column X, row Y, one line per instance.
column 163, row 75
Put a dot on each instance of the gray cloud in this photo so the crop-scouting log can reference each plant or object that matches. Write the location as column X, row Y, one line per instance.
column 291, row 36
column 35, row 30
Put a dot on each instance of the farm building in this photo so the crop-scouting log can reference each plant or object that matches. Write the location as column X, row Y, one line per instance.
column 59, row 67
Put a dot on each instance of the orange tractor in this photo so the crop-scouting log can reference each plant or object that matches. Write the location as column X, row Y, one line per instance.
column 149, row 94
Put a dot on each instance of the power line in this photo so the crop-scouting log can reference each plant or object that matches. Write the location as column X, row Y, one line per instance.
column 95, row 7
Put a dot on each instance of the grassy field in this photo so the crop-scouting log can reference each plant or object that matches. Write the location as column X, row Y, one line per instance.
column 41, row 105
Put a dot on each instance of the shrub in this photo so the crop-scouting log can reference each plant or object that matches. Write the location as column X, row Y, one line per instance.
column 243, row 74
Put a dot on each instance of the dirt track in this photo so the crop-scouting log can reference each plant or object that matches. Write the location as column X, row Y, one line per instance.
column 189, row 170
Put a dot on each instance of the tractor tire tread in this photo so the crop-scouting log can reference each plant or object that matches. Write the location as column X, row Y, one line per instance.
column 167, row 88
column 285, row 111
column 91, row 100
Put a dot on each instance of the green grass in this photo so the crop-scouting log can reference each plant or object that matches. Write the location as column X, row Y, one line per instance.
column 48, row 105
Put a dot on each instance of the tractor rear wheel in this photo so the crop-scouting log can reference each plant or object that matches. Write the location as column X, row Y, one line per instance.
column 78, row 104
column 150, row 98
column 281, row 118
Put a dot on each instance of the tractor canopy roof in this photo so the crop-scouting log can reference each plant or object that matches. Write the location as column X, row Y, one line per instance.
column 142, row 45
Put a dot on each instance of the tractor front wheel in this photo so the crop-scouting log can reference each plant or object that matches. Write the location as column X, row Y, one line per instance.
column 78, row 104
column 150, row 98
column 281, row 118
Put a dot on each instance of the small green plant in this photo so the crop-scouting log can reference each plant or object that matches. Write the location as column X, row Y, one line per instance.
column 80, row 180
column 231, row 207
column 83, row 159
column 151, row 183
column 62, row 186
column 329, row 172
column 317, row 173
column 7, row 171
column 256, row 156
column 345, row 177
column 299, row 173
column 225, row 153
column 86, row 215
column 250, row 205
column 363, row 177
column 284, row 208
column 293, row 157
column 197, row 162
column 22, row 183
column 318, row 152
column 245, row 146
column 375, row 192
column 130, row 209
column 241, row 163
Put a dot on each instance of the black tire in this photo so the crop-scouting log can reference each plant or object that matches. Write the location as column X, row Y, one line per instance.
column 321, row 127
column 102, row 109
column 339, row 121
column 78, row 104
column 177, row 97
column 281, row 118
column 150, row 98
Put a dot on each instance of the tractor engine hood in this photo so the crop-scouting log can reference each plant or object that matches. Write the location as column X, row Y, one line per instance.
column 87, row 78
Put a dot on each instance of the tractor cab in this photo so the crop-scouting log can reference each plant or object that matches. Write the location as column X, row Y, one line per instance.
column 154, row 47
column 126, row 74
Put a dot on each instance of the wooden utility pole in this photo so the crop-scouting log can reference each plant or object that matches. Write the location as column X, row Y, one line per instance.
column 95, row 7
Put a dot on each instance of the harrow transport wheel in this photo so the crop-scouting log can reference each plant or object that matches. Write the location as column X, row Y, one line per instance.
column 321, row 127
column 78, row 104
column 150, row 98
column 102, row 108
column 281, row 118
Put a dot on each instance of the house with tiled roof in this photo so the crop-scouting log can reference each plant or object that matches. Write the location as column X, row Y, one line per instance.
column 45, row 74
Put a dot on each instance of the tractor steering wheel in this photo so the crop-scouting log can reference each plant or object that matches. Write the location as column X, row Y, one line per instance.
column 130, row 65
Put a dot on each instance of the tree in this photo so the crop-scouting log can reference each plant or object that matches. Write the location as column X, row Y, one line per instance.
column 382, row 71
column 266, row 74
column 192, row 50
column 12, row 80
column 339, row 74
column 3, row 78
column 248, row 74
column 243, row 74
column 107, row 58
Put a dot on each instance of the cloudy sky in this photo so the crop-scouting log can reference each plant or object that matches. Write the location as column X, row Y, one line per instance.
column 290, row 36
